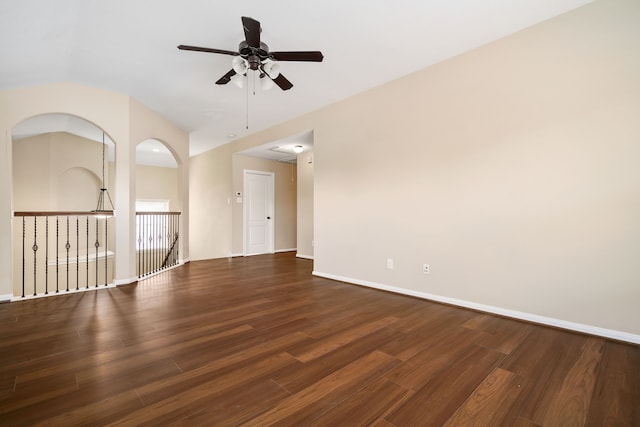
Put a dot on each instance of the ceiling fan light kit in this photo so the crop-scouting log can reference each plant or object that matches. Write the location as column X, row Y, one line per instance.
column 240, row 65
column 238, row 80
column 253, row 54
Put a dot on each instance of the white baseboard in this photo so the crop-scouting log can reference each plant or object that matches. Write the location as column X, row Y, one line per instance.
column 164, row 270
column 5, row 297
column 128, row 281
column 304, row 256
column 529, row 317
column 275, row 252
column 64, row 292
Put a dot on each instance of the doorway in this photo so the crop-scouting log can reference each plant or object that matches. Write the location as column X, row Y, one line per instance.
column 259, row 212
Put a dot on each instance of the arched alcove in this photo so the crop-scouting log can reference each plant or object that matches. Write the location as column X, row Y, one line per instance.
column 58, row 163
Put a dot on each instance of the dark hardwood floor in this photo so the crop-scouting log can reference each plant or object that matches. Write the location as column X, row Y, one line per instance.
column 259, row 341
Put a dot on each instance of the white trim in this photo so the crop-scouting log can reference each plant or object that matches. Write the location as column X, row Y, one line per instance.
column 128, row 281
column 304, row 256
column 157, row 272
column 272, row 208
column 286, row 250
column 63, row 292
column 165, row 202
column 529, row 317
column 81, row 259
column 5, row 297
column 235, row 255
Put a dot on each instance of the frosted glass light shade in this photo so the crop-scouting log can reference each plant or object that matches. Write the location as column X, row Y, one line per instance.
column 271, row 68
column 266, row 83
column 238, row 80
column 240, row 65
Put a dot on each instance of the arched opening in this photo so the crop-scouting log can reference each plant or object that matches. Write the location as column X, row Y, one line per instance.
column 157, row 207
column 60, row 164
column 49, row 150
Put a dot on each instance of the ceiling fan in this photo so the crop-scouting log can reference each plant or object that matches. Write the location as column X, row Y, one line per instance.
column 254, row 55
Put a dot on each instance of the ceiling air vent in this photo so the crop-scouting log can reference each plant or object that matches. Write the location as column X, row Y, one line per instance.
column 283, row 150
column 290, row 155
column 289, row 159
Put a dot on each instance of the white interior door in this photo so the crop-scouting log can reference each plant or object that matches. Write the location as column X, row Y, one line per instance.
column 258, row 212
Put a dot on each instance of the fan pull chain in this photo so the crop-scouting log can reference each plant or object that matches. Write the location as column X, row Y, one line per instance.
column 247, row 112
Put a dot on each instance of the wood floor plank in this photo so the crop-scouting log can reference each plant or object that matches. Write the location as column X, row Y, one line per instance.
column 183, row 400
column 620, row 365
column 523, row 422
column 237, row 407
column 321, row 347
column 571, row 402
column 544, row 357
column 500, row 334
column 7, row 384
column 260, row 340
column 71, row 408
column 304, row 406
column 491, row 402
column 438, row 400
column 366, row 406
column 163, row 389
column 20, row 404
column 297, row 377
column 438, row 356
column 433, row 317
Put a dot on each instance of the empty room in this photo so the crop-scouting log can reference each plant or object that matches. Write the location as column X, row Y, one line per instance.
column 422, row 213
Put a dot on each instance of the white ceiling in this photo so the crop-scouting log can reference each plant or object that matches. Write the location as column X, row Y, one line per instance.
column 282, row 149
column 129, row 46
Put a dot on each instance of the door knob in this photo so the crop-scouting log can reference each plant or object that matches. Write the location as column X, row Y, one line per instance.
column 268, row 217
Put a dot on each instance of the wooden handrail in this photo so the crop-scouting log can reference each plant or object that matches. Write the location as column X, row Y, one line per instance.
column 62, row 213
column 158, row 213
column 83, row 213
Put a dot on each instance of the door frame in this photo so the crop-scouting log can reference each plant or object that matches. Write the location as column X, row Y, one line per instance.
column 271, row 223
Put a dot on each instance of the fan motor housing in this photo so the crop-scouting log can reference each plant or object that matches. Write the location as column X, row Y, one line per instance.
column 246, row 51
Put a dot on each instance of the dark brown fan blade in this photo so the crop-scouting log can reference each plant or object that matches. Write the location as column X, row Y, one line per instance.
column 207, row 49
column 282, row 82
column 226, row 78
column 251, row 31
column 314, row 56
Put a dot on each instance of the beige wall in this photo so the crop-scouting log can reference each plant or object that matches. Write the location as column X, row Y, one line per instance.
column 153, row 182
column 210, row 183
column 211, row 188
column 512, row 170
column 57, row 171
column 31, row 169
column 285, row 201
column 305, row 205
column 126, row 122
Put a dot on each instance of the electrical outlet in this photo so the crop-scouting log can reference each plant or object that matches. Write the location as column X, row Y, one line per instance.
column 390, row 263
column 426, row 269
